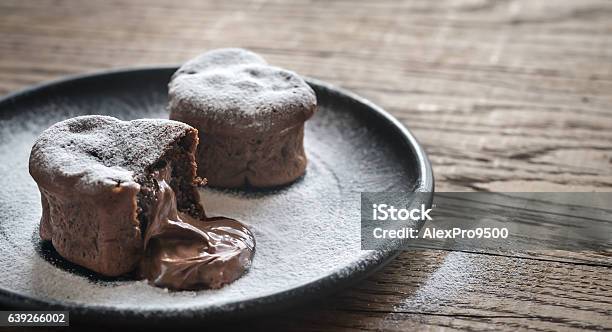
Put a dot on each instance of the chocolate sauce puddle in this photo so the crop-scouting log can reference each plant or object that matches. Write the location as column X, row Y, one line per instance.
column 185, row 253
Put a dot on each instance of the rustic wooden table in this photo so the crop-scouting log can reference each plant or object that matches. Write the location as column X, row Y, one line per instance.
column 505, row 95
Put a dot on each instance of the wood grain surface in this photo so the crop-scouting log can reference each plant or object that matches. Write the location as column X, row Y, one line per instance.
column 505, row 95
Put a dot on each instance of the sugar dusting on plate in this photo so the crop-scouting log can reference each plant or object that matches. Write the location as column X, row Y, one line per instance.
column 304, row 232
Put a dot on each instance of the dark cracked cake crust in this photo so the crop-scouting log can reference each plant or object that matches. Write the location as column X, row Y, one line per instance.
column 121, row 196
column 250, row 116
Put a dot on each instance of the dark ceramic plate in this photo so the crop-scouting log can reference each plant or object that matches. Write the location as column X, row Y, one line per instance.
column 308, row 234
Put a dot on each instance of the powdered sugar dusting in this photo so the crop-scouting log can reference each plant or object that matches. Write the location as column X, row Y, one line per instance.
column 237, row 88
column 101, row 151
column 304, row 232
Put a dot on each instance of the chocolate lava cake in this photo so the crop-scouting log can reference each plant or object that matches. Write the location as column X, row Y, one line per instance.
column 118, row 195
column 250, row 116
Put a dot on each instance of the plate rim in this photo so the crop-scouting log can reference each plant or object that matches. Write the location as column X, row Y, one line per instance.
column 268, row 303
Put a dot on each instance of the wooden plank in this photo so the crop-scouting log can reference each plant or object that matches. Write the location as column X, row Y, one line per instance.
column 469, row 291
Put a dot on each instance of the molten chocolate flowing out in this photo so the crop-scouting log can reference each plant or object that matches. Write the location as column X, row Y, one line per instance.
column 184, row 253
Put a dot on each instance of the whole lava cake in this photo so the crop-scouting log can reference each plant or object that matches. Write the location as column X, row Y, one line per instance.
column 250, row 116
